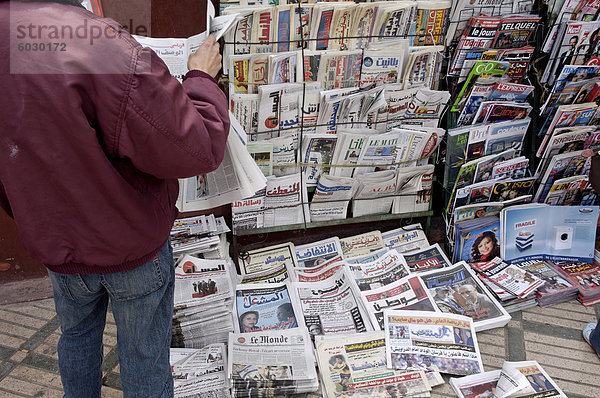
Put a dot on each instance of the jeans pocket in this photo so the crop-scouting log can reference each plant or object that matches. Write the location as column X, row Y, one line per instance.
column 143, row 280
column 60, row 285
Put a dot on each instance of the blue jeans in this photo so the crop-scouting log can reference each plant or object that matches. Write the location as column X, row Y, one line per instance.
column 142, row 304
column 595, row 338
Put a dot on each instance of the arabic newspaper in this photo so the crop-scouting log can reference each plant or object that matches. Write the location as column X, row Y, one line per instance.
column 408, row 293
column 386, row 269
column 248, row 213
column 426, row 259
column 358, row 245
column 326, row 271
column 268, row 258
column 286, row 201
column 332, row 306
column 445, row 340
column 456, row 290
column 511, row 278
column 367, row 258
column 375, row 193
column 279, row 273
column 200, row 281
column 332, row 197
column 200, row 372
column 237, row 177
column 316, row 253
column 272, row 363
column 354, row 366
column 477, row 385
column 406, row 239
column 261, row 307
column 536, row 380
column 413, row 189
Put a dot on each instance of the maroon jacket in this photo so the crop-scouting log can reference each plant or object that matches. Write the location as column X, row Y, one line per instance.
column 93, row 138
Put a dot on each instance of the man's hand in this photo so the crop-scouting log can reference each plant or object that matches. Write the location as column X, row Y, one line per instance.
column 206, row 58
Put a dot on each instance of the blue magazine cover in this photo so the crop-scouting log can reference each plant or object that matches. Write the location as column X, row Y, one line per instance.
column 482, row 243
column 555, row 233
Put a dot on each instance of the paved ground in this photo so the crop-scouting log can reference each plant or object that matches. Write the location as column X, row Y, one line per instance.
column 552, row 336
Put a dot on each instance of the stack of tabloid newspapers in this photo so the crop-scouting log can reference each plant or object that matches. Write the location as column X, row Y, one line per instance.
column 515, row 379
column 271, row 363
column 341, row 97
column 201, row 236
column 203, row 300
column 200, row 372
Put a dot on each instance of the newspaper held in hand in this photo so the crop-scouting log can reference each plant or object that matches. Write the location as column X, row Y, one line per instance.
column 445, row 340
column 332, row 306
column 263, row 307
column 354, row 366
column 408, row 293
column 271, row 363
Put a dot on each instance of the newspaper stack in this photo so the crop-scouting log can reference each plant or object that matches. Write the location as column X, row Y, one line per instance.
column 271, row 363
column 200, row 372
column 586, row 277
column 203, row 300
column 201, row 236
column 516, row 379
column 355, row 366
column 557, row 289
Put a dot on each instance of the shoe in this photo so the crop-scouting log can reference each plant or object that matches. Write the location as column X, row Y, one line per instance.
column 587, row 331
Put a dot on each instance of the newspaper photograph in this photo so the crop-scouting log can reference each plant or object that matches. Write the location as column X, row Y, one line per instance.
column 199, row 281
column 277, row 362
column 354, row 366
column 539, row 383
column 316, row 253
column 386, row 269
column 358, row 245
column 456, row 290
column 432, row 257
column 445, row 340
column 332, row 306
column 406, row 239
column 268, row 258
column 408, row 293
column 261, row 307
column 476, row 385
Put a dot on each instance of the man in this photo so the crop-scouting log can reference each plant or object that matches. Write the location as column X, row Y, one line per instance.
column 477, row 305
column 94, row 134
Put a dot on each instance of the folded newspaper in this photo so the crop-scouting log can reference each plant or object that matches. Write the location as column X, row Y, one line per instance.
column 271, row 363
column 445, row 340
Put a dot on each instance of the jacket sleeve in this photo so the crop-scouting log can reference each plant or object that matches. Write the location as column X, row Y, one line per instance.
column 172, row 130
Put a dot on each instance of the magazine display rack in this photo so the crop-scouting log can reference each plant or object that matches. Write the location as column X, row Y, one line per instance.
column 310, row 96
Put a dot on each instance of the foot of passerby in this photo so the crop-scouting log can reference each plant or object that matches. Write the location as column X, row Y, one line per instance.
column 587, row 332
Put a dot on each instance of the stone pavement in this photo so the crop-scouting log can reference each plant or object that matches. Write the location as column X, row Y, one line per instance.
column 552, row 336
